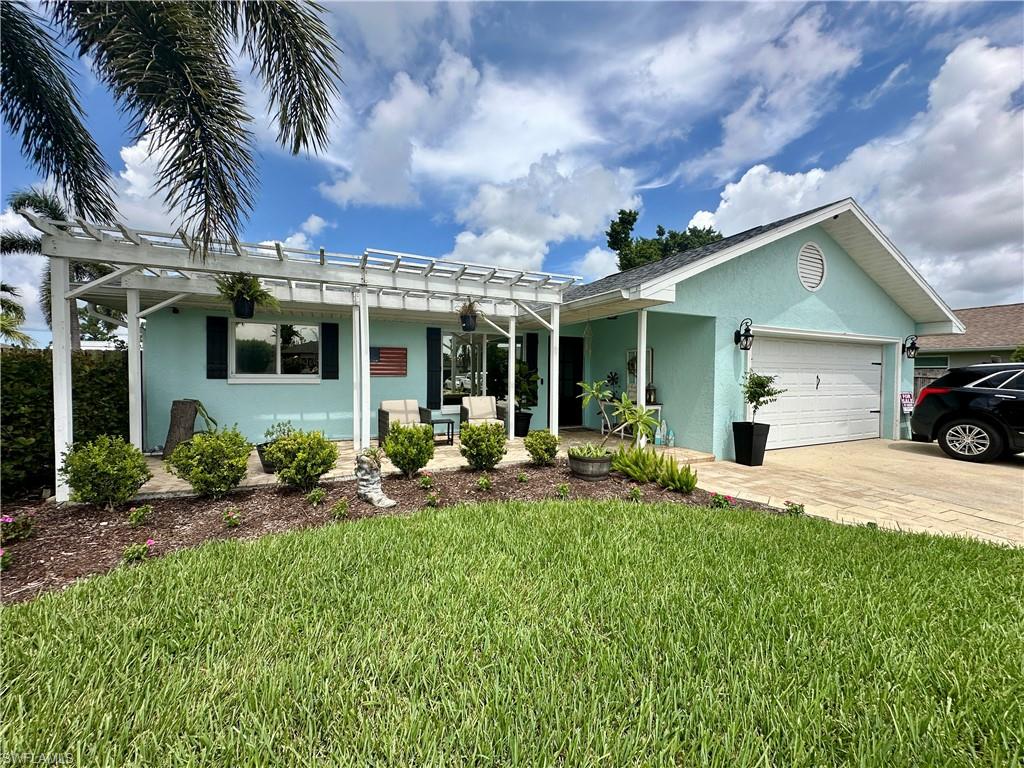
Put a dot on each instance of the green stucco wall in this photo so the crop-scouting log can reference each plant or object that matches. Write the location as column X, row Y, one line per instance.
column 174, row 367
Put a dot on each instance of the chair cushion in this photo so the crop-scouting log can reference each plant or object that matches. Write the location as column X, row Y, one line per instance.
column 401, row 411
column 480, row 407
column 486, row 421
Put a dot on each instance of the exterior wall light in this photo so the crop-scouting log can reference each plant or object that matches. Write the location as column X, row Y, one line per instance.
column 910, row 347
column 743, row 338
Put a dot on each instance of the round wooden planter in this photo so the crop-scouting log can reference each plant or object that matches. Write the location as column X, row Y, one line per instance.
column 591, row 469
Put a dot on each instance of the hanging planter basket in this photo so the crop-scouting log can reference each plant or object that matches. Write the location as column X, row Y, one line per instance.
column 468, row 322
column 243, row 307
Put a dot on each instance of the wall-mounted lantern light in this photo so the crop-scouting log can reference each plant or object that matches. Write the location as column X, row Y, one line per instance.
column 743, row 338
column 910, row 347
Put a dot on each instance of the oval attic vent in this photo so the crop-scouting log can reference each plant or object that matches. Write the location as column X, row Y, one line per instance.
column 810, row 265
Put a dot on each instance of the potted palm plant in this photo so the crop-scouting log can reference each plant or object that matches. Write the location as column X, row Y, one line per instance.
column 467, row 315
column 593, row 461
column 749, row 436
column 274, row 433
column 245, row 292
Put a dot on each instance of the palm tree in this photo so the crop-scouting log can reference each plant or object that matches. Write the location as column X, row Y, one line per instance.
column 169, row 68
column 12, row 315
column 45, row 203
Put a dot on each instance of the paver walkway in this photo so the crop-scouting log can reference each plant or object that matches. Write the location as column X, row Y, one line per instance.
column 895, row 484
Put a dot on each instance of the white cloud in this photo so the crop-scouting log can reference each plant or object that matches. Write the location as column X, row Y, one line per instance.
column 893, row 80
column 300, row 238
column 794, row 79
column 461, row 126
column 516, row 221
column 702, row 220
column 948, row 188
column 22, row 270
column 595, row 264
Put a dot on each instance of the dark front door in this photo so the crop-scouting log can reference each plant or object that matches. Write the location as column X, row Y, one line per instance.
column 570, row 373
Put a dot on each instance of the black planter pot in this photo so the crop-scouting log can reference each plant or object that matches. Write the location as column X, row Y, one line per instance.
column 521, row 428
column 468, row 322
column 750, row 439
column 244, row 307
column 590, row 468
column 268, row 465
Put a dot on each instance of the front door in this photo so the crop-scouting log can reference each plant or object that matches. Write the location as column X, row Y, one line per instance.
column 570, row 373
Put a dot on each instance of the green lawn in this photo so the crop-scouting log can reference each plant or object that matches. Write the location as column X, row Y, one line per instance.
column 548, row 634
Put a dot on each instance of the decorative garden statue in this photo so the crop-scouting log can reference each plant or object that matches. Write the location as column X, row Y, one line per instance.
column 368, row 484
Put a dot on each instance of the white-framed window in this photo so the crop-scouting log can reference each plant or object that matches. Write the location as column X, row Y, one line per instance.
column 931, row 361
column 274, row 352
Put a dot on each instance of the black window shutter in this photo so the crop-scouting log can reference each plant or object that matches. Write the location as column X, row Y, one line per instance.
column 531, row 356
column 216, row 347
column 433, row 368
column 328, row 350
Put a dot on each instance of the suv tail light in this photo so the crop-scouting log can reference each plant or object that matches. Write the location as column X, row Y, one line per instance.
column 931, row 391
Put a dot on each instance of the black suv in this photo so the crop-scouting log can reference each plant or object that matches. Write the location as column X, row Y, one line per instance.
column 976, row 413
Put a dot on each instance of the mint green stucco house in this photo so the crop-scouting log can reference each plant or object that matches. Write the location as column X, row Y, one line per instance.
column 830, row 300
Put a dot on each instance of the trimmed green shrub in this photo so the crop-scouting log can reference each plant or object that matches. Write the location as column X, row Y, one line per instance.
column 100, row 386
column 484, row 483
column 340, row 510
column 542, row 446
column 302, row 458
column 674, row 477
column 212, row 462
column 316, row 497
column 410, row 447
column 641, row 465
column 137, row 515
column 107, row 470
column 483, row 445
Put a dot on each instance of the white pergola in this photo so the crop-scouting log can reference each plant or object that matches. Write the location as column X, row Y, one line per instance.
column 155, row 270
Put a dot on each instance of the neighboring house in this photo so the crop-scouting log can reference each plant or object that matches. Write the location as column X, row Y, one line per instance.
column 992, row 334
column 830, row 298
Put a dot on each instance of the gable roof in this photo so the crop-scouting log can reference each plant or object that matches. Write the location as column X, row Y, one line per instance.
column 636, row 276
column 988, row 328
column 844, row 221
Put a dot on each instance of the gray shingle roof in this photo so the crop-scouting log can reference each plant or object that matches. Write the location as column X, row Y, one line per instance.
column 999, row 327
column 646, row 272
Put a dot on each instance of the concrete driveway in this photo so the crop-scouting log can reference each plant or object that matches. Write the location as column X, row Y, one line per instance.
column 896, row 484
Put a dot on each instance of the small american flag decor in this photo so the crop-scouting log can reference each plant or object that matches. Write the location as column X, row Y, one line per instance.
column 388, row 361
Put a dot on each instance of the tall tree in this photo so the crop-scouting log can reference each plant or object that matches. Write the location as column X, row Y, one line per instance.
column 45, row 203
column 634, row 251
column 12, row 317
column 169, row 68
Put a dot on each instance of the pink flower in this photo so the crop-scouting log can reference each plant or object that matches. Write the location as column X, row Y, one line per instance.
column 1, row 551
column 150, row 542
column 6, row 519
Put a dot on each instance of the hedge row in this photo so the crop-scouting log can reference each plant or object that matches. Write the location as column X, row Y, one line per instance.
column 100, row 396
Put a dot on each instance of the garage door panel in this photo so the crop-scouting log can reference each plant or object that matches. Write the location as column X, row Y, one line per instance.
column 833, row 391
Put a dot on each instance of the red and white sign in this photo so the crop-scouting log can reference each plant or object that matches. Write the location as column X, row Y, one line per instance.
column 907, row 401
column 388, row 361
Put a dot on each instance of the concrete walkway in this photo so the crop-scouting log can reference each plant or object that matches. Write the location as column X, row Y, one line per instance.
column 896, row 484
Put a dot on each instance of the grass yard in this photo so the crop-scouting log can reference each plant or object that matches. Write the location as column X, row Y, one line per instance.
column 576, row 633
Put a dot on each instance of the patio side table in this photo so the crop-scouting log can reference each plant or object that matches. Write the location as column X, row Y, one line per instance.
column 449, row 426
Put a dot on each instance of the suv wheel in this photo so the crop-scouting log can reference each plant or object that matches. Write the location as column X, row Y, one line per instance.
column 971, row 440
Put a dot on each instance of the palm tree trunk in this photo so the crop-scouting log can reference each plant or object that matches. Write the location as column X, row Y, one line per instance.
column 76, row 331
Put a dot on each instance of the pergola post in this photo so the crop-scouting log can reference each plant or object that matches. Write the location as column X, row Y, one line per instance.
column 357, row 370
column 60, row 323
column 134, row 370
column 641, row 360
column 510, row 411
column 483, row 367
column 364, row 376
column 553, row 372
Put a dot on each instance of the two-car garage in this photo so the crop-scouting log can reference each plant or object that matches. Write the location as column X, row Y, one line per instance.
column 833, row 390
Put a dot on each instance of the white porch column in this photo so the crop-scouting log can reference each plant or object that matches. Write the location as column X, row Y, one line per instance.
column 60, row 313
column 357, row 370
column 483, row 367
column 553, row 372
column 641, row 357
column 364, row 377
column 134, row 369
column 511, row 409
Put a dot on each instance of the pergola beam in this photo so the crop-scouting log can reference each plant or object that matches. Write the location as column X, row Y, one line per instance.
column 163, row 304
column 85, row 287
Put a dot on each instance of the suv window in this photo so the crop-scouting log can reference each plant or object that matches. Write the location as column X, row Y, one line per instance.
column 993, row 380
column 1015, row 383
column 959, row 377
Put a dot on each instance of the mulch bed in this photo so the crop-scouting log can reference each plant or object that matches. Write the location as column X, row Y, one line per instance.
column 78, row 540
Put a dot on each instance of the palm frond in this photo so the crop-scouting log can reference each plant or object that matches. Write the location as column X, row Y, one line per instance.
column 296, row 59
column 10, row 330
column 17, row 242
column 40, row 200
column 41, row 106
column 170, row 69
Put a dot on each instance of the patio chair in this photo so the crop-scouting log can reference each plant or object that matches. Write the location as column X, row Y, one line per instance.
column 399, row 412
column 479, row 410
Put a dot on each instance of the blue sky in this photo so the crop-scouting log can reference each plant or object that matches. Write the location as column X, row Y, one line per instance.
column 511, row 133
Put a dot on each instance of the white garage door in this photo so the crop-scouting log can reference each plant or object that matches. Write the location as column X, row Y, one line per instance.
column 833, row 391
